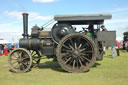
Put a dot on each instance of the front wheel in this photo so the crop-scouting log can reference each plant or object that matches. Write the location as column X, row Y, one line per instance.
column 20, row 60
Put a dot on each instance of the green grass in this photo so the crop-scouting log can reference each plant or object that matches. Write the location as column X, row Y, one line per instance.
column 107, row 72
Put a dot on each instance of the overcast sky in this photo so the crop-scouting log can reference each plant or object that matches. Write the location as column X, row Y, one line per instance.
column 40, row 11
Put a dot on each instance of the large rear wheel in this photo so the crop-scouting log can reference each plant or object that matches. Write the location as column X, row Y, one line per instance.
column 76, row 53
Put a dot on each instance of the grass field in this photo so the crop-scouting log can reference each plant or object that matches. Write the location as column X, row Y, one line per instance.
column 107, row 72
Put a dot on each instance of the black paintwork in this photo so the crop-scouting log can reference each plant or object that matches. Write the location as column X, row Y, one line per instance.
column 47, row 43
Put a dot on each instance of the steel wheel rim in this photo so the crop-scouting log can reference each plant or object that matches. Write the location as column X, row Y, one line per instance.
column 20, row 60
column 78, row 63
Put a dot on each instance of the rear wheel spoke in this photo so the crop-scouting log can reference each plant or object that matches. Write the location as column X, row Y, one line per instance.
column 77, row 63
column 75, row 46
column 80, row 62
column 86, row 58
column 71, row 47
column 68, row 60
column 82, row 49
column 71, row 42
column 88, row 51
column 32, row 53
column 79, row 46
column 74, row 62
column 66, row 46
column 65, row 54
column 36, row 58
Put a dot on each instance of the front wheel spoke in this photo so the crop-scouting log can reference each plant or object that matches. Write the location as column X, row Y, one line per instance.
column 20, row 52
column 13, row 59
column 24, row 64
column 67, row 60
column 14, row 62
column 15, row 55
column 17, row 65
column 25, row 58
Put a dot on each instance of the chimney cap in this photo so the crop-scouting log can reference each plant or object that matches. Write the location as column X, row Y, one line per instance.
column 24, row 13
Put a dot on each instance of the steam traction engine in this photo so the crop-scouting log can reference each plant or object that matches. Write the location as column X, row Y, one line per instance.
column 75, row 51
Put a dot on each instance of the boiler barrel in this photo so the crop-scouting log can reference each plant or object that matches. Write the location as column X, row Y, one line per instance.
column 33, row 44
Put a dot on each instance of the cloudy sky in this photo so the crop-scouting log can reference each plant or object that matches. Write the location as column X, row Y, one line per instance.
column 40, row 11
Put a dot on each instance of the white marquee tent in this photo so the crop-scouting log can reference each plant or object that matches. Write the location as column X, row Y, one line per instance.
column 2, row 41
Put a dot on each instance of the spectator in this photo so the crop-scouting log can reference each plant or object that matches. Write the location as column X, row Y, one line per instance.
column 5, row 50
column 12, row 47
column 127, row 46
column 9, row 45
column 17, row 45
column 118, row 48
column 113, row 51
column 1, row 49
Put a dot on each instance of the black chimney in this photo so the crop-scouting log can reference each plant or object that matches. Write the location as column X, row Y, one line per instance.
column 25, row 25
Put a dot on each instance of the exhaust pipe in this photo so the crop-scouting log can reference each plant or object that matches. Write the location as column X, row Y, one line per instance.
column 25, row 25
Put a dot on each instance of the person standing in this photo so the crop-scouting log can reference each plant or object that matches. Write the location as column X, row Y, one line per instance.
column 12, row 47
column 118, row 48
column 113, row 51
column 127, row 46
column 5, row 50
column 1, row 49
column 17, row 45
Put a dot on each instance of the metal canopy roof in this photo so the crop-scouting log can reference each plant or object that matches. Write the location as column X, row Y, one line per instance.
column 125, row 33
column 83, row 19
